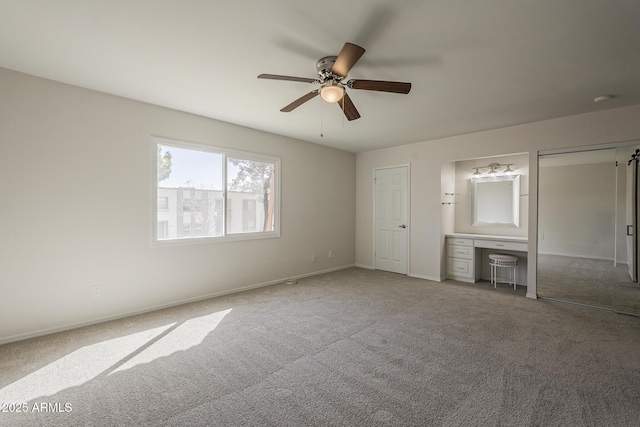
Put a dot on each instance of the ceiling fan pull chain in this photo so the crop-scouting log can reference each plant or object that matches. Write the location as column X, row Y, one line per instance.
column 321, row 135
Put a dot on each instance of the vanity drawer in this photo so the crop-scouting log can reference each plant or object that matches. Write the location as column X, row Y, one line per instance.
column 507, row 246
column 456, row 251
column 460, row 268
column 459, row 241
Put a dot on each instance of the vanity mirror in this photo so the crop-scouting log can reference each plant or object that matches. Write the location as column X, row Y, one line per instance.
column 495, row 200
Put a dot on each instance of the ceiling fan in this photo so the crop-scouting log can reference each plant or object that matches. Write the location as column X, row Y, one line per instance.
column 331, row 73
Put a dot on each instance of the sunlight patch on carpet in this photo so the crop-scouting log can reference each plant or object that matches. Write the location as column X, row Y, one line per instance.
column 187, row 335
column 107, row 357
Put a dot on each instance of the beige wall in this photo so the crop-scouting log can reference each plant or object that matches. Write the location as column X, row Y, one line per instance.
column 76, row 211
column 427, row 158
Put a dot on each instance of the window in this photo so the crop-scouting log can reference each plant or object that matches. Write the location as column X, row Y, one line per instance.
column 163, row 202
column 206, row 193
column 248, row 215
column 163, row 227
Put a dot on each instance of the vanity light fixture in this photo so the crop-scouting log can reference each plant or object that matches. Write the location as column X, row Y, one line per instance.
column 493, row 170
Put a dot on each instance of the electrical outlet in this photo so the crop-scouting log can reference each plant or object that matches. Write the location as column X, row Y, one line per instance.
column 96, row 291
column 330, row 253
column 313, row 258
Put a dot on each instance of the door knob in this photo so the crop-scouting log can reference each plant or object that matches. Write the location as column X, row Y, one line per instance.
column 402, row 226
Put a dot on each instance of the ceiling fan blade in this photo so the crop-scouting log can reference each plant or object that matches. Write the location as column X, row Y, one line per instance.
column 348, row 108
column 288, row 78
column 380, row 86
column 298, row 102
column 349, row 55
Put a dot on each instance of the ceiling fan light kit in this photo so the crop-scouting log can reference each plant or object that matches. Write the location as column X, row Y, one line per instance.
column 331, row 72
column 332, row 92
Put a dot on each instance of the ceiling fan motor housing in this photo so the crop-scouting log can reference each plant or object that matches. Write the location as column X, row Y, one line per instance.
column 324, row 66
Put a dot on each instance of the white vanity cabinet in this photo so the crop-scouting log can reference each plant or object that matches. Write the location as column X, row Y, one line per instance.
column 461, row 264
column 465, row 255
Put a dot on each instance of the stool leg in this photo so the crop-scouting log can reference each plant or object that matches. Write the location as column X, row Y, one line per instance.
column 515, row 270
column 494, row 275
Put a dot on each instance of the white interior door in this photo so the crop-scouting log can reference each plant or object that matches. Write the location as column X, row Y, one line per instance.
column 391, row 219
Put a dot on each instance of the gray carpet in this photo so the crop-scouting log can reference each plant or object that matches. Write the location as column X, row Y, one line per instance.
column 354, row 347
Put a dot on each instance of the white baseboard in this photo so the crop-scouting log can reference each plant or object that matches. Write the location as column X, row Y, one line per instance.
column 417, row 276
column 420, row 276
column 42, row 332
column 302, row 276
column 368, row 267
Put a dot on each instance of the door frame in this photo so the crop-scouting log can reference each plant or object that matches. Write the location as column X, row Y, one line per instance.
column 408, row 248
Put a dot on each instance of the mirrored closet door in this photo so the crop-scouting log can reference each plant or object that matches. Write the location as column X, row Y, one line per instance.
column 586, row 227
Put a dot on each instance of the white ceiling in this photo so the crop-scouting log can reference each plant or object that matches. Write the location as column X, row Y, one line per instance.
column 474, row 65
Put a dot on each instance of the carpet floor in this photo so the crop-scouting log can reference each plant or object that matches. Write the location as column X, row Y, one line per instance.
column 349, row 348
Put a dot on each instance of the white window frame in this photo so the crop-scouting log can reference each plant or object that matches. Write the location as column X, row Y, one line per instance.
column 225, row 153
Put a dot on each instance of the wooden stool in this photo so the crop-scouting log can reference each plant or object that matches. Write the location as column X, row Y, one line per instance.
column 510, row 262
